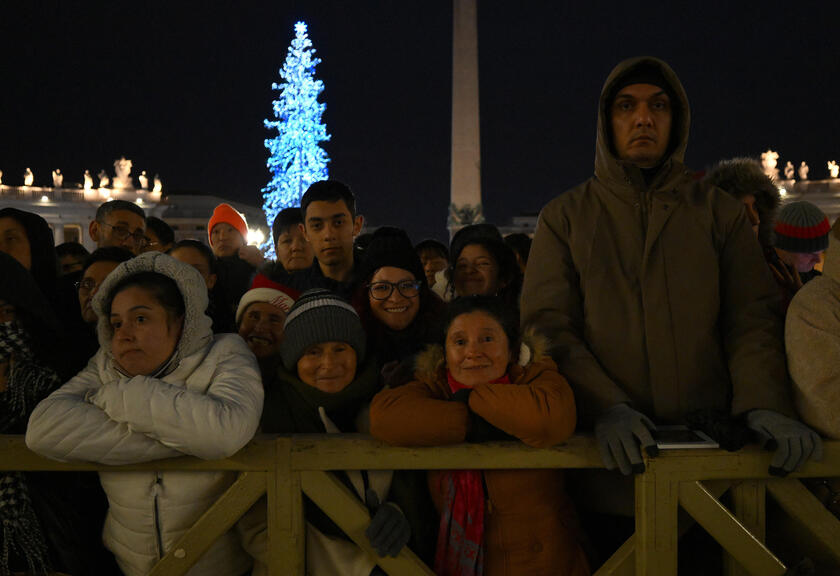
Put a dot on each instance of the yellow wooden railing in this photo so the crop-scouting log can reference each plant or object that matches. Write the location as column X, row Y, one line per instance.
column 284, row 468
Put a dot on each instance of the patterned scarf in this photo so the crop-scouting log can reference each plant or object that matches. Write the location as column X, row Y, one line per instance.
column 27, row 384
column 460, row 544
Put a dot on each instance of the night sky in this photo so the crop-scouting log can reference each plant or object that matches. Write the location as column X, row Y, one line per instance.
column 182, row 89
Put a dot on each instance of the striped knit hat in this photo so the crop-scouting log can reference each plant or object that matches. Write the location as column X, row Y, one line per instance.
column 801, row 227
column 320, row 316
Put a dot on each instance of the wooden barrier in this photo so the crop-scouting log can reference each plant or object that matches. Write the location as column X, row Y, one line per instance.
column 283, row 468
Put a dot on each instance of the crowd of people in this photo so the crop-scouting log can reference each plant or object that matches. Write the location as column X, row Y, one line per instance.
column 650, row 295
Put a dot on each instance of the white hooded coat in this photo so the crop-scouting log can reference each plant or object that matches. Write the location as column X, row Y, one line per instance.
column 205, row 401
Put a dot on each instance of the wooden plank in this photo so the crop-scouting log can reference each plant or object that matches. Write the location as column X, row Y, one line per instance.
column 749, row 505
column 217, row 520
column 286, row 539
column 656, row 522
column 257, row 455
column 797, row 500
column 348, row 512
column 728, row 531
column 622, row 562
column 359, row 452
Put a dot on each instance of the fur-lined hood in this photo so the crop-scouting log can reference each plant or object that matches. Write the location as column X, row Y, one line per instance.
column 429, row 363
column 742, row 176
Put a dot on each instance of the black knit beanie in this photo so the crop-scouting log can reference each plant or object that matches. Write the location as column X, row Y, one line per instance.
column 391, row 247
column 320, row 316
column 801, row 227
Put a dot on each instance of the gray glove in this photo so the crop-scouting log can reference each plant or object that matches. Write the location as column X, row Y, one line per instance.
column 389, row 530
column 793, row 442
column 617, row 431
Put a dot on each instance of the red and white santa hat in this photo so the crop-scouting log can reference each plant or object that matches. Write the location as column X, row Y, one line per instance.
column 265, row 290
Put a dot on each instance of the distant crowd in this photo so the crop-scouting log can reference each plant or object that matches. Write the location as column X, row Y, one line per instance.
column 650, row 295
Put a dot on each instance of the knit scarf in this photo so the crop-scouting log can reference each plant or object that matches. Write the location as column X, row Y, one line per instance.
column 460, row 544
column 26, row 385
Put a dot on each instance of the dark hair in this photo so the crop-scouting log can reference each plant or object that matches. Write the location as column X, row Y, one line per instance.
column 432, row 245
column 520, row 243
column 116, row 254
column 493, row 306
column 162, row 230
column 328, row 191
column 362, row 241
column 71, row 249
column 285, row 219
column 32, row 309
column 162, row 288
column 202, row 248
column 41, row 247
column 113, row 205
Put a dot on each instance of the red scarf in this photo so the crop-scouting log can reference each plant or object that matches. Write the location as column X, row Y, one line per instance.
column 460, row 544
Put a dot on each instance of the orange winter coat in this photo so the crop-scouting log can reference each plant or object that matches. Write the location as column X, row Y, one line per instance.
column 530, row 526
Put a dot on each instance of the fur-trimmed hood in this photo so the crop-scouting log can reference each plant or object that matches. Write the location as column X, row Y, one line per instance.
column 742, row 176
column 429, row 363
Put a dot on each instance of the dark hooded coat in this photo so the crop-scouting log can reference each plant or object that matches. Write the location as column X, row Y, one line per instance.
column 652, row 287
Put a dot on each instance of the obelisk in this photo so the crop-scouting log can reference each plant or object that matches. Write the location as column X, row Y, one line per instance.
column 465, row 185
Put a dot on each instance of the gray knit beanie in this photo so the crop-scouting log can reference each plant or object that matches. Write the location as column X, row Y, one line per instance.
column 801, row 227
column 320, row 316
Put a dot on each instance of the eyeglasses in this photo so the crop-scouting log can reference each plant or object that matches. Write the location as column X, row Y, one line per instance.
column 86, row 285
column 122, row 232
column 383, row 290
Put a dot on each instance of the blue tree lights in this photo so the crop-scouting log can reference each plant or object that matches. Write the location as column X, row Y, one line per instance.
column 296, row 158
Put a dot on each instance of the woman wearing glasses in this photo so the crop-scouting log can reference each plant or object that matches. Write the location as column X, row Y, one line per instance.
column 400, row 314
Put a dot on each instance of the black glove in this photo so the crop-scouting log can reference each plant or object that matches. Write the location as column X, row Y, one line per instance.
column 462, row 395
column 482, row 431
column 792, row 441
column 389, row 530
column 616, row 431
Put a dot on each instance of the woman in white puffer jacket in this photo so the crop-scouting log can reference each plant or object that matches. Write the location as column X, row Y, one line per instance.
column 162, row 385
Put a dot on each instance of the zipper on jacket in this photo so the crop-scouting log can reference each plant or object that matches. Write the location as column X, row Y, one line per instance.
column 158, row 534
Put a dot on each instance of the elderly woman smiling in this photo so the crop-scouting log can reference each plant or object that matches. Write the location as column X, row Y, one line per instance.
column 482, row 385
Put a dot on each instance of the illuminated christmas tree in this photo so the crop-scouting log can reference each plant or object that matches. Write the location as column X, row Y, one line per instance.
column 296, row 158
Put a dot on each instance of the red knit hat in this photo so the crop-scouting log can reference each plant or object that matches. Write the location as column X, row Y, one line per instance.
column 227, row 214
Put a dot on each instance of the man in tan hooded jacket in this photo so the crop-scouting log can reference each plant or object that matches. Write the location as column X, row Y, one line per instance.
column 652, row 288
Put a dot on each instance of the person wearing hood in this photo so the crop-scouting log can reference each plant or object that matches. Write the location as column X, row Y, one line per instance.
column 653, row 290
column 26, row 322
column 745, row 179
column 325, row 385
column 68, row 508
column 27, row 238
column 160, row 386
column 481, row 263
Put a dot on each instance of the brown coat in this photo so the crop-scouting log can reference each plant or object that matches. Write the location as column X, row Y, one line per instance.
column 530, row 525
column 654, row 292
